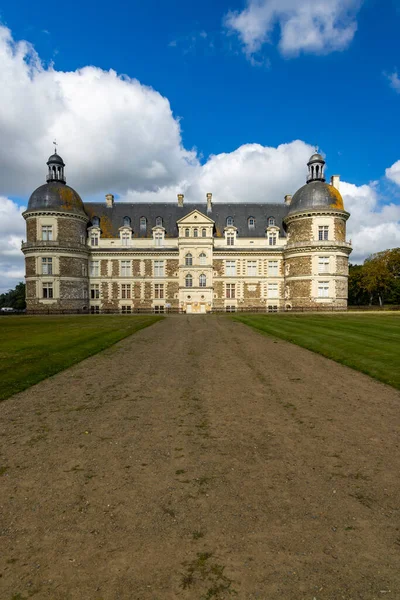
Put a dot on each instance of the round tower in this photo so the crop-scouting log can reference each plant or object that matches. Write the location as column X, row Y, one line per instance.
column 56, row 253
column 316, row 255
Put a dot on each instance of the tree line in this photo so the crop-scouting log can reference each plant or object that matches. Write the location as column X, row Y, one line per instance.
column 377, row 281
column 14, row 298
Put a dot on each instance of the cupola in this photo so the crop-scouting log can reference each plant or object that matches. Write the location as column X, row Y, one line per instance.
column 316, row 167
column 56, row 168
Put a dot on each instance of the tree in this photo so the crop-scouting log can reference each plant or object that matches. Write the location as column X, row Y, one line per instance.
column 380, row 272
column 358, row 295
column 14, row 298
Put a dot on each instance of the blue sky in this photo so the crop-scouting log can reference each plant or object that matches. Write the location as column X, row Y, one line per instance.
column 341, row 101
column 147, row 99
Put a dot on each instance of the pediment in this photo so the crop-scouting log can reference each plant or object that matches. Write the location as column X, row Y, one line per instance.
column 195, row 218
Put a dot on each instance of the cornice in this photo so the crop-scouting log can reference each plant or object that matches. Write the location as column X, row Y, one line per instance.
column 54, row 213
column 301, row 214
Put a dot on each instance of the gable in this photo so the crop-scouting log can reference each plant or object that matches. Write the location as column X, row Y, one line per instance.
column 195, row 218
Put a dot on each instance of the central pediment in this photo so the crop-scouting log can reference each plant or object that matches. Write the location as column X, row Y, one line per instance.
column 195, row 218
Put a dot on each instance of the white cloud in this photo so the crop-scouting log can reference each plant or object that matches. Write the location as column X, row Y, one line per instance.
column 393, row 173
column 12, row 231
column 371, row 227
column 309, row 26
column 394, row 80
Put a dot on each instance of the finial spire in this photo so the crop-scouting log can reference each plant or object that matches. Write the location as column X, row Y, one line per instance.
column 55, row 146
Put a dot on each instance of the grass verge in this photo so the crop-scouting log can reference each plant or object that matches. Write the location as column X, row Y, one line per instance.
column 33, row 348
column 368, row 343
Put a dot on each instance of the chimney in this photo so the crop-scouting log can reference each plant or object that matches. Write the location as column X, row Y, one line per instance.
column 335, row 181
column 209, row 202
column 180, row 199
column 288, row 199
column 109, row 200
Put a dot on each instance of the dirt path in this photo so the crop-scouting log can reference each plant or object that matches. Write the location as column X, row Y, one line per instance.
column 197, row 459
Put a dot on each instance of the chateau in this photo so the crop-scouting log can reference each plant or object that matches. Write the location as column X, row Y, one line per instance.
column 195, row 258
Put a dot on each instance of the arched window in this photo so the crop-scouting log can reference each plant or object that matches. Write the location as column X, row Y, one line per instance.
column 202, row 280
column 271, row 221
column 187, row 232
column 188, row 281
column 143, row 223
column 159, row 222
column 251, row 222
column 127, row 222
column 203, row 258
column 195, row 233
column 204, row 233
column 188, row 260
column 96, row 221
column 229, row 221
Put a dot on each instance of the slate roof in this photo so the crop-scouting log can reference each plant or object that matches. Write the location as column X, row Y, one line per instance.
column 55, row 195
column 112, row 219
column 316, row 194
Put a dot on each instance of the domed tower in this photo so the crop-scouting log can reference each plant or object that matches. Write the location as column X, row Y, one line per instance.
column 56, row 254
column 316, row 255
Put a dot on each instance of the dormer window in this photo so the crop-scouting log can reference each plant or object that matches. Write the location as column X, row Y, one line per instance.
column 251, row 222
column 96, row 222
column 125, row 237
column 127, row 222
column 159, row 222
column 143, row 224
column 271, row 222
column 94, row 239
column 272, row 239
column 230, row 238
column 229, row 221
column 158, row 237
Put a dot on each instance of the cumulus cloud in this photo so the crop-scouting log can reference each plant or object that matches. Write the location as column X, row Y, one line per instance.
column 114, row 131
column 393, row 173
column 372, row 227
column 309, row 26
column 12, row 231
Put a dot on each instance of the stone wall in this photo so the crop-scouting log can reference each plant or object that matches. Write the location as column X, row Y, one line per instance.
column 71, row 290
column 104, row 268
column 340, row 230
column 70, row 230
column 147, row 294
column 148, row 271
column 342, row 265
column 72, row 267
column 171, row 267
column 300, row 231
column 172, row 290
column 218, row 266
column 299, row 292
column 136, row 292
column 115, row 268
column 298, row 265
column 31, row 289
column 135, row 268
column 31, row 230
column 30, row 266
column 341, row 288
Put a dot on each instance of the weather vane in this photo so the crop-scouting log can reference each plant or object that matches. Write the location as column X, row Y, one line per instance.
column 316, row 148
column 55, row 146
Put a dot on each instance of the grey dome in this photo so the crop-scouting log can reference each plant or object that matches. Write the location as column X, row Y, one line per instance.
column 316, row 158
column 316, row 194
column 56, row 159
column 57, row 196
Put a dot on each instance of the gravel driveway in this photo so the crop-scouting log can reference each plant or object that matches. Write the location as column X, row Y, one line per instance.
column 200, row 459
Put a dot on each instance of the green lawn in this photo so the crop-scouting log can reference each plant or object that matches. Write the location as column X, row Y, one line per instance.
column 368, row 343
column 33, row 348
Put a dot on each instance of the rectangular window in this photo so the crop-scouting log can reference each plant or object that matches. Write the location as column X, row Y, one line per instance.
column 323, row 264
column 323, row 233
column 125, row 237
column 158, row 239
column 47, row 232
column 251, row 268
column 272, row 239
column 230, row 268
column 94, row 268
column 95, row 310
column 273, row 268
column 273, row 290
column 158, row 268
column 231, row 290
column 195, row 233
column 125, row 291
column 230, row 239
column 125, row 268
column 159, row 291
column 159, row 309
column 187, row 232
column 272, row 308
column 47, row 290
column 94, row 291
column 323, row 289
column 126, row 310
column 230, row 308
column 94, row 239
column 47, row 266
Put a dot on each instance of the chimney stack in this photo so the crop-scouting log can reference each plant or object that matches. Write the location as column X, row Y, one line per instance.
column 109, row 200
column 209, row 202
column 180, row 199
column 335, row 181
column 288, row 199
